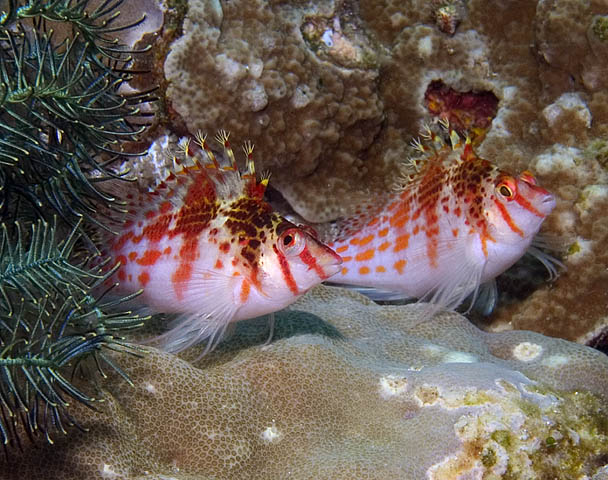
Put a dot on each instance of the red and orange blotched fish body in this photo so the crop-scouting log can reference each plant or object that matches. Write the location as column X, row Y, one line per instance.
column 205, row 244
column 458, row 221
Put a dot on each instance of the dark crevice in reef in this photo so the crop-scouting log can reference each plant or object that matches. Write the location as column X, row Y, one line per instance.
column 469, row 113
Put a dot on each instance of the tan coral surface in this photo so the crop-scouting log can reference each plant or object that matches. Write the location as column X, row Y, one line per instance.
column 347, row 390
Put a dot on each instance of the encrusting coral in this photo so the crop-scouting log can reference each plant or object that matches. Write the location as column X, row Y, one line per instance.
column 300, row 80
column 348, row 389
column 333, row 92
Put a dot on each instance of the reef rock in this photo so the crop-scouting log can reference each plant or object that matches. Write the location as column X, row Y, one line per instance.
column 346, row 390
column 300, row 80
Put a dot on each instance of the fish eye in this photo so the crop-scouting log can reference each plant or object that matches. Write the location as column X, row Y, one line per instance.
column 288, row 240
column 291, row 242
column 506, row 188
column 505, row 191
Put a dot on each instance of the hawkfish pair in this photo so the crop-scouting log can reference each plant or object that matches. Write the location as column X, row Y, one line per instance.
column 204, row 244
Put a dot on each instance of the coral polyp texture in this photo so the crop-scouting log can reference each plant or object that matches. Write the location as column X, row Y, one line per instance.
column 301, row 80
column 348, row 390
column 332, row 93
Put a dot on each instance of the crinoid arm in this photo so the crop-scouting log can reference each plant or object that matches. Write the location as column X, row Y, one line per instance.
column 63, row 112
column 52, row 327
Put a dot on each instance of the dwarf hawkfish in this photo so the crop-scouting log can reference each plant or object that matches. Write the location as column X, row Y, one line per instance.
column 205, row 245
column 454, row 222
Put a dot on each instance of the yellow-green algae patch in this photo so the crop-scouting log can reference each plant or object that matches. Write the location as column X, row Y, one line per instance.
column 546, row 434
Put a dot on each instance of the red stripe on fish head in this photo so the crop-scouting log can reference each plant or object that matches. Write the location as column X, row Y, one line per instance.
column 286, row 271
column 507, row 218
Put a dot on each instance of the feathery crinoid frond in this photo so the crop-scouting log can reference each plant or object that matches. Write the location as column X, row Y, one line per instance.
column 64, row 116
column 97, row 24
column 51, row 327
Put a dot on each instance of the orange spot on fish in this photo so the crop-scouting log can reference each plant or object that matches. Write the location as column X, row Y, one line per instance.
column 218, row 264
column 401, row 215
column 384, row 246
column 380, row 269
column 383, row 232
column 344, row 271
column 132, row 256
column 150, row 214
column 245, row 289
column 122, row 259
column 401, row 243
column 286, row 271
column 416, row 230
column 149, row 257
column 156, row 230
column 167, row 251
column 365, row 240
column 225, row 247
column 347, row 259
column 430, row 232
column 180, row 277
column 399, row 222
column 455, row 232
column 354, row 241
column 341, row 249
column 144, row 278
column 431, row 251
column 364, row 270
column 399, row 265
column 366, row 255
column 309, row 260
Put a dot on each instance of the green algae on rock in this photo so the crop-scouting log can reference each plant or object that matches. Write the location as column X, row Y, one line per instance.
column 349, row 390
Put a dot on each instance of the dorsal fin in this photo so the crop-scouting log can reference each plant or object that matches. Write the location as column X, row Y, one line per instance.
column 434, row 148
column 191, row 162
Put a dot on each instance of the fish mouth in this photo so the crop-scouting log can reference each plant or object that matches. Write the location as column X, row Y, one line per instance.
column 542, row 201
column 330, row 261
column 547, row 204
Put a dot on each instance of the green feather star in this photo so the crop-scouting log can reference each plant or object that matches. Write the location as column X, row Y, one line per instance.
column 64, row 120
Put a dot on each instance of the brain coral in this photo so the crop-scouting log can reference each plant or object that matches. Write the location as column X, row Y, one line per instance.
column 347, row 390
